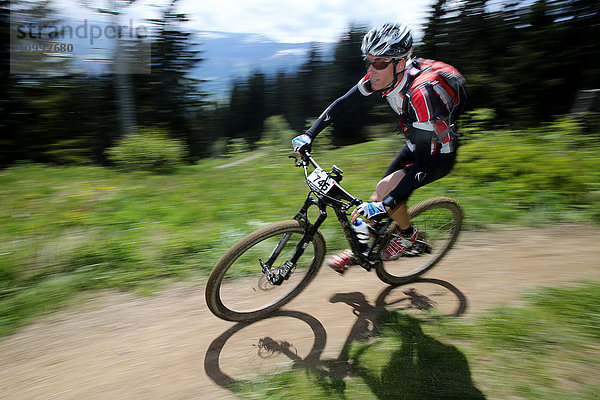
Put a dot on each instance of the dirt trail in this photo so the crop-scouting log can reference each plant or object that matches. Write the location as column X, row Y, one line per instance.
column 169, row 346
column 243, row 160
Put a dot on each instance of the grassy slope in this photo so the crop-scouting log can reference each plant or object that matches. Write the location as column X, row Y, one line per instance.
column 64, row 230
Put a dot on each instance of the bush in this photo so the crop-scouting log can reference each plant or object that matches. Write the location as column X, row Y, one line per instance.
column 219, row 147
column 277, row 134
column 148, row 150
column 237, row 146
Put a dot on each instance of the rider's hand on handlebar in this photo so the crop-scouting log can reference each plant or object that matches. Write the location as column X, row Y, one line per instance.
column 371, row 210
column 302, row 144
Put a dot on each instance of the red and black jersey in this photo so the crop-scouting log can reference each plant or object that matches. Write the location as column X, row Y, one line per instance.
column 422, row 100
column 427, row 105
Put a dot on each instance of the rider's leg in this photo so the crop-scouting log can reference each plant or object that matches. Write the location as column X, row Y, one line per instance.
column 385, row 186
column 408, row 234
column 394, row 175
column 439, row 166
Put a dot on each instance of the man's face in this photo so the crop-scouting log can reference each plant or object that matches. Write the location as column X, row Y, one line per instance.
column 382, row 78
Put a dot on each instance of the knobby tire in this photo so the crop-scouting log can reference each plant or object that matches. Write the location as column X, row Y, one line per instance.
column 249, row 245
column 440, row 216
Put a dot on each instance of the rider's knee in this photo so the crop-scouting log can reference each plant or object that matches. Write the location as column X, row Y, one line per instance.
column 386, row 185
column 381, row 190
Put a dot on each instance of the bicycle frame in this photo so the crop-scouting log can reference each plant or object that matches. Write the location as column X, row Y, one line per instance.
column 300, row 244
column 340, row 202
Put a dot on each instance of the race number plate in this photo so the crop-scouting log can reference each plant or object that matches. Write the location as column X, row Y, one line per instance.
column 318, row 178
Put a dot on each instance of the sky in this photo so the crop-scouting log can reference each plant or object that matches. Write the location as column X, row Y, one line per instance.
column 287, row 21
column 295, row 21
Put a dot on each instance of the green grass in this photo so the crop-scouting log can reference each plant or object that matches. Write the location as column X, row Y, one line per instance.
column 548, row 349
column 64, row 230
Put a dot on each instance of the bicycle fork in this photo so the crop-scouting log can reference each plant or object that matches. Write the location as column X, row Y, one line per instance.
column 277, row 277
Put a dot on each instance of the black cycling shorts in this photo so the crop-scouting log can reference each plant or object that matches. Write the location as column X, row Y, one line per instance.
column 439, row 165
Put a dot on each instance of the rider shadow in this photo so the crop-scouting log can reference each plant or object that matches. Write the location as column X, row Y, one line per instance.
column 420, row 367
column 404, row 298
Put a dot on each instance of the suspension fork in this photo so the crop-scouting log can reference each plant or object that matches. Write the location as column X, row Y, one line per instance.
column 301, row 216
column 310, row 231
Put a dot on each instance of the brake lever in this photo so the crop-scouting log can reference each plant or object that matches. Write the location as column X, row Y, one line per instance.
column 301, row 163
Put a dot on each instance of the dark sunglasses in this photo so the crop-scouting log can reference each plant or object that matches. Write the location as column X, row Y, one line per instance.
column 378, row 65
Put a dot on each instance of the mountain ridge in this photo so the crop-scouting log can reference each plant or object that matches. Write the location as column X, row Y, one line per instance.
column 234, row 56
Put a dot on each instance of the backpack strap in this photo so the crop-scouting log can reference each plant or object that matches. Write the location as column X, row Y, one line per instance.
column 409, row 119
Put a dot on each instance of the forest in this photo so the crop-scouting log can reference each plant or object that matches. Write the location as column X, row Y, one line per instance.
column 524, row 60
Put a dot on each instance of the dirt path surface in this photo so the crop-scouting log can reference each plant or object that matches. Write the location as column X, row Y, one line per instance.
column 169, row 346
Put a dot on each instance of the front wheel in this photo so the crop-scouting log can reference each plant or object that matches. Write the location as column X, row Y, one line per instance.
column 439, row 221
column 238, row 290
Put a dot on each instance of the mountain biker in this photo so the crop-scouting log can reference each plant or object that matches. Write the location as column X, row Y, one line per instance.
column 426, row 116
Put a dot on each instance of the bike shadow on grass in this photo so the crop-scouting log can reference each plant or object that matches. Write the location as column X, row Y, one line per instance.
column 418, row 366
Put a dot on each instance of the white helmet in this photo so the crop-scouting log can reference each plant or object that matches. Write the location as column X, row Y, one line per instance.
column 390, row 39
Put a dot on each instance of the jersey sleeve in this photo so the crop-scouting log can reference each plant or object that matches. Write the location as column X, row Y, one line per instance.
column 335, row 109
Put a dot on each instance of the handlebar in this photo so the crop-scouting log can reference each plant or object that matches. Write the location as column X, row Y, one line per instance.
column 336, row 173
column 305, row 159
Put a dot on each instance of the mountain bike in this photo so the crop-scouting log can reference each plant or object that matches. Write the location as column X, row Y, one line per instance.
column 272, row 265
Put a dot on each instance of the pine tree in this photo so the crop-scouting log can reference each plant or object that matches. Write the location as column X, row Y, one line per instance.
column 310, row 88
column 434, row 41
column 256, row 111
column 34, row 84
column 169, row 97
column 347, row 69
column 580, row 30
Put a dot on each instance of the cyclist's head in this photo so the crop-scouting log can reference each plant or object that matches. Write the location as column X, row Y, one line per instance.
column 386, row 50
column 388, row 40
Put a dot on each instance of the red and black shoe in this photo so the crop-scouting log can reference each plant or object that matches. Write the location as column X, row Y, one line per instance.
column 342, row 261
column 398, row 246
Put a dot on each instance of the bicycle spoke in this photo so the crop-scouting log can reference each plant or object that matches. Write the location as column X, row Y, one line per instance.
column 437, row 223
column 243, row 289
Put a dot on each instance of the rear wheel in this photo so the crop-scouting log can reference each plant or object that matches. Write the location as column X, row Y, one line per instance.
column 439, row 221
column 238, row 290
